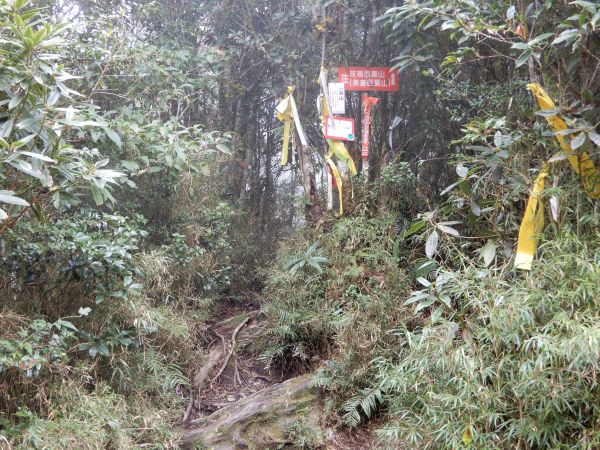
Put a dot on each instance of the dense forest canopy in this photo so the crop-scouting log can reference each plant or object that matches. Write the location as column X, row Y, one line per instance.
column 159, row 262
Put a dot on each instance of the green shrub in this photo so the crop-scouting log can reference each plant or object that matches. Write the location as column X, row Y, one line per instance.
column 341, row 310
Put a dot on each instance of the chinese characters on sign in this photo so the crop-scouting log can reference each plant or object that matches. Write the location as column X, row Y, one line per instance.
column 337, row 98
column 367, row 104
column 368, row 78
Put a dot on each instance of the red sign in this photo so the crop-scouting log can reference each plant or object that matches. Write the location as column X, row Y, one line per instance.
column 367, row 104
column 368, row 78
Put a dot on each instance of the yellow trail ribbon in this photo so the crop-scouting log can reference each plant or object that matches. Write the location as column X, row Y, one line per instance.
column 533, row 220
column 582, row 163
column 286, row 111
column 284, row 114
column 338, row 180
column 340, row 151
column 532, row 224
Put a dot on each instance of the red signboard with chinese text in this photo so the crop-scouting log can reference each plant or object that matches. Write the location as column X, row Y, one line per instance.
column 368, row 78
column 367, row 104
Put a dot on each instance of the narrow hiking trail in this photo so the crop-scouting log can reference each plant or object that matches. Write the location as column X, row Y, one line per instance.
column 236, row 402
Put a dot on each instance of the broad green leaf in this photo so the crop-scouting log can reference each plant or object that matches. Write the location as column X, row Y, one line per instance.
column 431, row 244
column 446, row 300
column 449, row 188
column 6, row 128
column 16, row 100
column 8, row 197
column 414, row 228
column 578, row 141
column 60, row 324
column 424, row 281
column 475, row 208
column 424, row 304
column 488, row 252
column 542, row 37
column 465, row 187
column 591, row 7
column 437, row 314
column 567, row 35
column 594, row 137
column 108, row 174
column 523, row 58
column 416, row 296
column 53, row 97
column 560, row 156
column 548, row 112
column 97, row 194
column 113, row 136
column 498, row 141
column 511, row 12
column 37, row 156
column 520, row 46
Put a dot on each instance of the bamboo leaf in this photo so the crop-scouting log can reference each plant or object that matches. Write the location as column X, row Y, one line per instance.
column 448, row 230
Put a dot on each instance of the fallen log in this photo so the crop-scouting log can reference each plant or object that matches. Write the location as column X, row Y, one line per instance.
column 261, row 420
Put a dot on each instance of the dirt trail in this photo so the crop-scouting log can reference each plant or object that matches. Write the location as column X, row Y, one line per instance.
column 235, row 402
column 230, row 371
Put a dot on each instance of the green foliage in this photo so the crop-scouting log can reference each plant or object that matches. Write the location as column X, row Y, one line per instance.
column 39, row 345
column 311, row 258
column 41, row 119
column 304, row 435
column 342, row 306
column 102, row 418
column 88, row 252
column 168, row 376
column 98, row 308
column 516, row 366
column 412, row 314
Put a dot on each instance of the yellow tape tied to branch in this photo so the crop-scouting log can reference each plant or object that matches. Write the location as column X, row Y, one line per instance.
column 286, row 111
column 581, row 162
column 532, row 224
column 340, row 151
column 533, row 220
column 338, row 181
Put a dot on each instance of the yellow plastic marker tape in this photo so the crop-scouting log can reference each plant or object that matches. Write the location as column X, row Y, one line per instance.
column 532, row 224
column 581, row 162
column 338, row 180
column 340, row 151
column 284, row 114
column 533, row 220
column 286, row 111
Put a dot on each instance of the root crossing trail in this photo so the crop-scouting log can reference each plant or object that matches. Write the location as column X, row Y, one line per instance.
column 235, row 402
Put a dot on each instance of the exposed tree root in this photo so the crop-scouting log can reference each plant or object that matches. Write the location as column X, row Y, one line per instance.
column 232, row 349
column 200, row 379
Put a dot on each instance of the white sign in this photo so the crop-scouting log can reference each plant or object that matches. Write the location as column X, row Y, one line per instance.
column 339, row 128
column 337, row 98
